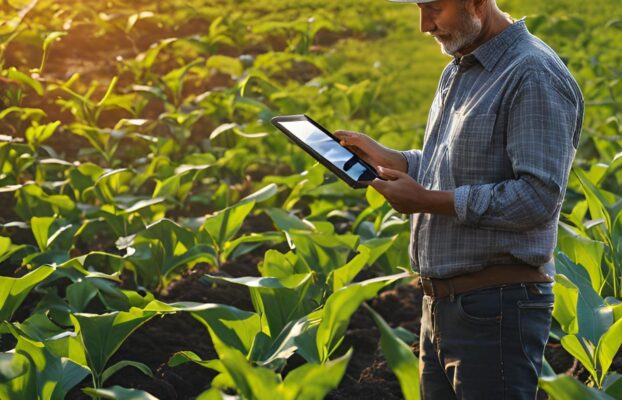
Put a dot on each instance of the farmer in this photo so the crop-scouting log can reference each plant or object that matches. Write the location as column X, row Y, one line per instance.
column 484, row 195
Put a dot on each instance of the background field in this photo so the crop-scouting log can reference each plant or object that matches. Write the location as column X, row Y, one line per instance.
column 139, row 172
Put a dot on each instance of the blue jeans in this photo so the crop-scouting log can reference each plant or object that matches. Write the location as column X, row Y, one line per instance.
column 485, row 344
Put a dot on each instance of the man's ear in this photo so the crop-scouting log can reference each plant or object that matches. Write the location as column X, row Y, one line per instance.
column 478, row 6
column 480, row 3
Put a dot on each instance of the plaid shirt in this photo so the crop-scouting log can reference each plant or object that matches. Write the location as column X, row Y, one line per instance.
column 502, row 133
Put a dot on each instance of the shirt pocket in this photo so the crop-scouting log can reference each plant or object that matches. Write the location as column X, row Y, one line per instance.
column 471, row 152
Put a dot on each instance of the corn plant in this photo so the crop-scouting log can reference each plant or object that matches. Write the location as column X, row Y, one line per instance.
column 32, row 371
column 13, row 291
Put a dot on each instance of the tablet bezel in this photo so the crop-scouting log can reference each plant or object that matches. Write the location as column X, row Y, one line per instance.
column 276, row 121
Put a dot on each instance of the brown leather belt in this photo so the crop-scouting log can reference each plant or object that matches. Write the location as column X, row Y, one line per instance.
column 493, row 276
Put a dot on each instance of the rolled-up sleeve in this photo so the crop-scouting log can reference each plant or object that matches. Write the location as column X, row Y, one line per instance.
column 542, row 135
column 413, row 158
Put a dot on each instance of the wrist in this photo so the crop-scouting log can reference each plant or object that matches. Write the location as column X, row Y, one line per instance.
column 438, row 202
column 398, row 161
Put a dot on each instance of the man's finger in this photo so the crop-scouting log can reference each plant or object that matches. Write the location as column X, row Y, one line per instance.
column 379, row 185
column 390, row 174
column 346, row 138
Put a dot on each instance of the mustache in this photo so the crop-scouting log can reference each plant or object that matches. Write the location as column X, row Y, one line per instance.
column 438, row 34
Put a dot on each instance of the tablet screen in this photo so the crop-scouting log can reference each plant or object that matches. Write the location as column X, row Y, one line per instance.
column 330, row 149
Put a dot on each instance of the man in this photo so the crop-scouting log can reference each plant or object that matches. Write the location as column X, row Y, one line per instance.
column 484, row 195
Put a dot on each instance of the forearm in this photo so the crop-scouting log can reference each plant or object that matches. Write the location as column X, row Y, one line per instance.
column 396, row 160
column 514, row 205
column 438, row 202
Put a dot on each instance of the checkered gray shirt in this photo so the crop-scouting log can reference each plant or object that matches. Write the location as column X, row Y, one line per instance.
column 502, row 133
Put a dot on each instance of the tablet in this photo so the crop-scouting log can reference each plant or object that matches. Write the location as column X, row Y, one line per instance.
column 325, row 147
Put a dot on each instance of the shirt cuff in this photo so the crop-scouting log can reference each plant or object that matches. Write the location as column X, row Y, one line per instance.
column 412, row 159
column 461, row 199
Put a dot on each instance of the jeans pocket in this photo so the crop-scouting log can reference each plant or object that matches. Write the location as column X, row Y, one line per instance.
column 534, row 326
column 482, row 307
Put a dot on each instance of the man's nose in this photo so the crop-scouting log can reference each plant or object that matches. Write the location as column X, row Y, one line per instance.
column 426, row 24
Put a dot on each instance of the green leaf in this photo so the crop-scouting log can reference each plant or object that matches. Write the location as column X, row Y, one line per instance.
column 564, row 387
column 339, row 308
column 608, row 347
column 286, row 343
column 179, row 185
column 161, row 248
column 7, row 248
column 584, row 251
column 374, row 198
column 50, row 38
column 47, row 376
column 286, row 222
column 250, row 382
column 378, row 247
column 37, row 134
column 174, row 80
column 228, row 325
column 228, row 65
column 279, row 265
column 210, row 394
column 247, row 243
column 33, row 201
column 614, row 386
column 13, row 291
column 20, row 77
column 277, row 301
column 80, row 294
column 344, row 275
column 183, row 357
column 263, row 194
column 11, row 366
column 147, row 58
column 400, row 358
column 122, row 364
column 113, row 183
column 111, row 86
column 223, row 226
column 102, row 335
column 581, row 352
column 565, row 306
column 594, row 316
column 119, row 393
column 221, row 129
column 323, row 252
column 596, row 201
column 314, row 381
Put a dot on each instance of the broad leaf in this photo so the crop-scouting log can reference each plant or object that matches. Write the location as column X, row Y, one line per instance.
column 400, row 358
column 119, row 393
column 608, row 347
column 277, row 301
column 122, row 364
column 564, row 387
column 314, row 381
column 102, row 335
column 13, row 291
column 339, row 308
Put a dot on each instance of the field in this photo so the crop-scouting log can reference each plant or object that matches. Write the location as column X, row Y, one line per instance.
column 160, row 239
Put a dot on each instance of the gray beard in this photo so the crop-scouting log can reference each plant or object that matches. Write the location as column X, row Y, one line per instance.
column 469, row 31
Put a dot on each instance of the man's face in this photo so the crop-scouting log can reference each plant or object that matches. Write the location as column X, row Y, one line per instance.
column 452, row 23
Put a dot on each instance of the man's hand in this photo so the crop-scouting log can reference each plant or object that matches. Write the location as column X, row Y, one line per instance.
column 371, row 151
column 407, row 196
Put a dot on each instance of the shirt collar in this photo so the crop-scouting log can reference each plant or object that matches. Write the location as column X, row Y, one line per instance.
column 489, row 53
